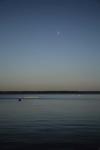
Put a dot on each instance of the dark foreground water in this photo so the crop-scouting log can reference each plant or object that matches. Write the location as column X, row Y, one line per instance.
column 51, row 122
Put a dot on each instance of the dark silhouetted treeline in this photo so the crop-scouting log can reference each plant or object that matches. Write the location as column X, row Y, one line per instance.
column 49, row 92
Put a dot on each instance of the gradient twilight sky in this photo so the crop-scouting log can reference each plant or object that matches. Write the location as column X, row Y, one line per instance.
column 49, row 45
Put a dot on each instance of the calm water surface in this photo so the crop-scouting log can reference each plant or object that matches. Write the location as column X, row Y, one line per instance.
column 69, row 122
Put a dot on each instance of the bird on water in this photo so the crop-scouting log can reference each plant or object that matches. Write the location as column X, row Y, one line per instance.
column 19, row 99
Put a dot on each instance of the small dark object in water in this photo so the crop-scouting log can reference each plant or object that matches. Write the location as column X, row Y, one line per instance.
column 19, row 99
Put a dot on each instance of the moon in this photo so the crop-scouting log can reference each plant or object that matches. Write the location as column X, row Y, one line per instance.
column 58, row 33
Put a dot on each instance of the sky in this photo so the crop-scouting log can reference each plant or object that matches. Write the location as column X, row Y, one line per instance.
column 49, row 45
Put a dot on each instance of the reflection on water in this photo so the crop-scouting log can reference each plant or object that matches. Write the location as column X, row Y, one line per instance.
column 55, row 122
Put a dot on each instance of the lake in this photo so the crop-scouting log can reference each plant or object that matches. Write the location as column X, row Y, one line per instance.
column 51, row 122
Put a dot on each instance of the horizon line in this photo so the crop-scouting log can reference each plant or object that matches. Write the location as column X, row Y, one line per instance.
column 52, row 92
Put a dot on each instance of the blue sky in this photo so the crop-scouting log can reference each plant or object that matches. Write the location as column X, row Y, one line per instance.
column 49, row 45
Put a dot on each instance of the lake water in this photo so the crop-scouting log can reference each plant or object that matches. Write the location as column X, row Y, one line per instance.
column 51, row 122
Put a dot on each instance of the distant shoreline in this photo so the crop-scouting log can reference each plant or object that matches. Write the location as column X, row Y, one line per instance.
column 49, row 92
